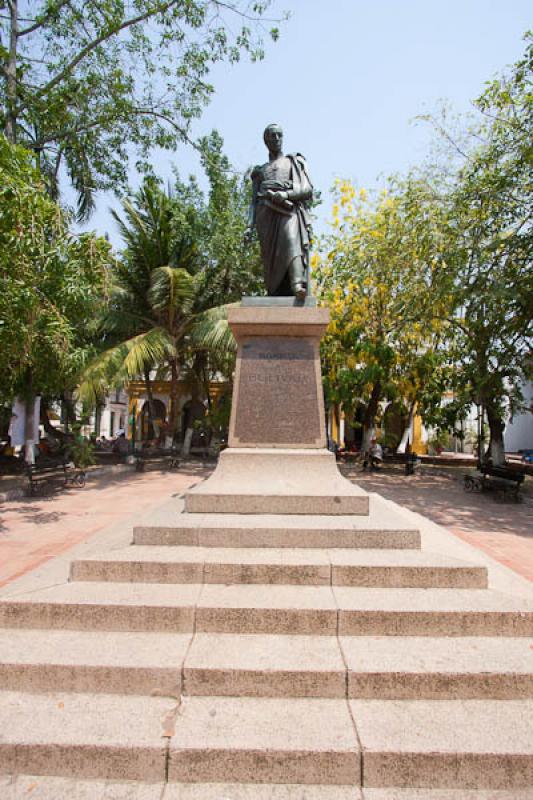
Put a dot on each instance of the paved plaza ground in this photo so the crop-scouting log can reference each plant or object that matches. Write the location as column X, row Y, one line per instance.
column 502, row 530
column 33, row 530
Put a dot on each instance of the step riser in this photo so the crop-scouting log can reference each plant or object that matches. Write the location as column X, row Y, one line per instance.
column 284, row 621
column 411, row 577
column 449, row 770
column 424, row 623
column 254, row 683
column 276, row 504
column 216, row 537
column 250, row 683
column 468, row 686
column 84, row 761
column 267, row 620
column 96, row 618
column 303, row 575
column 96, row 680
column 252, row 766
column 308, row 575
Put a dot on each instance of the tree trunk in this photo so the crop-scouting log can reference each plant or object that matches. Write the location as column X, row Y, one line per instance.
column 70, row 411
column 11, row 75
column 496, row 449
column 29, row 435
column 47, row 425
column 173, row 417
column 407, row 435
column 187, row 440
column 369, row 419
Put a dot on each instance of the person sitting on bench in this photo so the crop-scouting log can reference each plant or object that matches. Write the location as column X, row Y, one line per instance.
column 374, row 455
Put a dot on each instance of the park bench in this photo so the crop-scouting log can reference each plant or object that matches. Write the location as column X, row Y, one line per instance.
column 527, row 456
column 50, row 472
column 504, row 480
column 168, row 457
column 410, row 460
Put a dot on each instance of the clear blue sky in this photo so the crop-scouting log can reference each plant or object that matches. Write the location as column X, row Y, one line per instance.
column 345, row 81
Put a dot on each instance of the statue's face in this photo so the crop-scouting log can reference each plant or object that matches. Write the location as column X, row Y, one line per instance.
column 274, row 139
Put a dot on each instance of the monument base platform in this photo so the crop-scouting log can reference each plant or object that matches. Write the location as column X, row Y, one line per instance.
column 276, row 481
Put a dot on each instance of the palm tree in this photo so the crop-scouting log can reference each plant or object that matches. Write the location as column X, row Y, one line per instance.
column 155, row 318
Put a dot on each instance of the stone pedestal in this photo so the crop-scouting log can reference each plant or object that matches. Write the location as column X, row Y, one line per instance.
column 277, row 461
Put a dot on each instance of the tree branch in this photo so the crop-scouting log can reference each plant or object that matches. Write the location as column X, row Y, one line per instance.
column 39, row 23
column 85, row 51
column 243, row 14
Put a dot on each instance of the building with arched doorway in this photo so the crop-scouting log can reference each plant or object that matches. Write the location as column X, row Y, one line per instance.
column 192, row 409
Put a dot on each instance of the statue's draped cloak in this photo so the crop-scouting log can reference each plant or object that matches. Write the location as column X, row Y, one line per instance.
column 284, row 234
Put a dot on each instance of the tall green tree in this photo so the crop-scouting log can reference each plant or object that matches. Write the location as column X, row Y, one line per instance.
column 158, row 317
column 378, row 272
column 85, row 84
column 232, row 264
column 490, row 253
column 51, row 284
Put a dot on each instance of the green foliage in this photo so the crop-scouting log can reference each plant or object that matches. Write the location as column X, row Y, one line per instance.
column 378, row 273
column 232, row 263
column 175, row 266
column 81, row 451
column 489, row 240
column 87, row 84
column 50, row 284
column 430, row 286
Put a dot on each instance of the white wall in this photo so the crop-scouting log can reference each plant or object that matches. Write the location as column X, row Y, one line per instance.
column 518, row 434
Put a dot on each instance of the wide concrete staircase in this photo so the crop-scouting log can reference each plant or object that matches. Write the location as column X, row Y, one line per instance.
column 270, row 657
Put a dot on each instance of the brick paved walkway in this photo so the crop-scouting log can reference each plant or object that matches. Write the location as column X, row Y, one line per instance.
column 32, row 530
column 502, row 530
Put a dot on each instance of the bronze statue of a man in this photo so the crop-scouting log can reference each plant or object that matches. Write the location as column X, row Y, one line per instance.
column 281, row 191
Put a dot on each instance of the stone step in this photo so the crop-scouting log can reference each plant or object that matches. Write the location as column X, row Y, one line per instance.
column 381, row 529
column 410, row 667
column 365, row 667
column 258, row 791
column 53, row 787
column 278, row 609
column 83, row 735
column 454, row 744
column 44, row 787
column 280, row 566
column 432, row 612
column 264, row 666
column 86, row 661
column 104, row 607
column 264, row 740
column 441, row 794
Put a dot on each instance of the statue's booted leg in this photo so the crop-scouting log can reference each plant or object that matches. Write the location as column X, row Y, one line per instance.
column 298, row 278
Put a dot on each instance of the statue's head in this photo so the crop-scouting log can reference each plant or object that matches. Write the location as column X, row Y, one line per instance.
column 273, row 137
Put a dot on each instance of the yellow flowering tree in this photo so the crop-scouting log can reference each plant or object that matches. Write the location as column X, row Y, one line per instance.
column 380, row 271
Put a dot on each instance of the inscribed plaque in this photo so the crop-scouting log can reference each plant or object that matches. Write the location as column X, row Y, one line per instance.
column 277, row 392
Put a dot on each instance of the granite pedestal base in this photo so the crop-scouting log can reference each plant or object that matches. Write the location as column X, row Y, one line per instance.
column 275, row 481
column 277, row 461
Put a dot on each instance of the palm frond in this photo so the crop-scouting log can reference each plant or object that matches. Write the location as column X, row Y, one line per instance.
column 211, row 331
column 172, row 289
column 124, row 361
column 147, row 350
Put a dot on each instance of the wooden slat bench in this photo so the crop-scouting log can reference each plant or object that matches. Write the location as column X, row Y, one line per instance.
column 49, row 472
column 156, row 455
